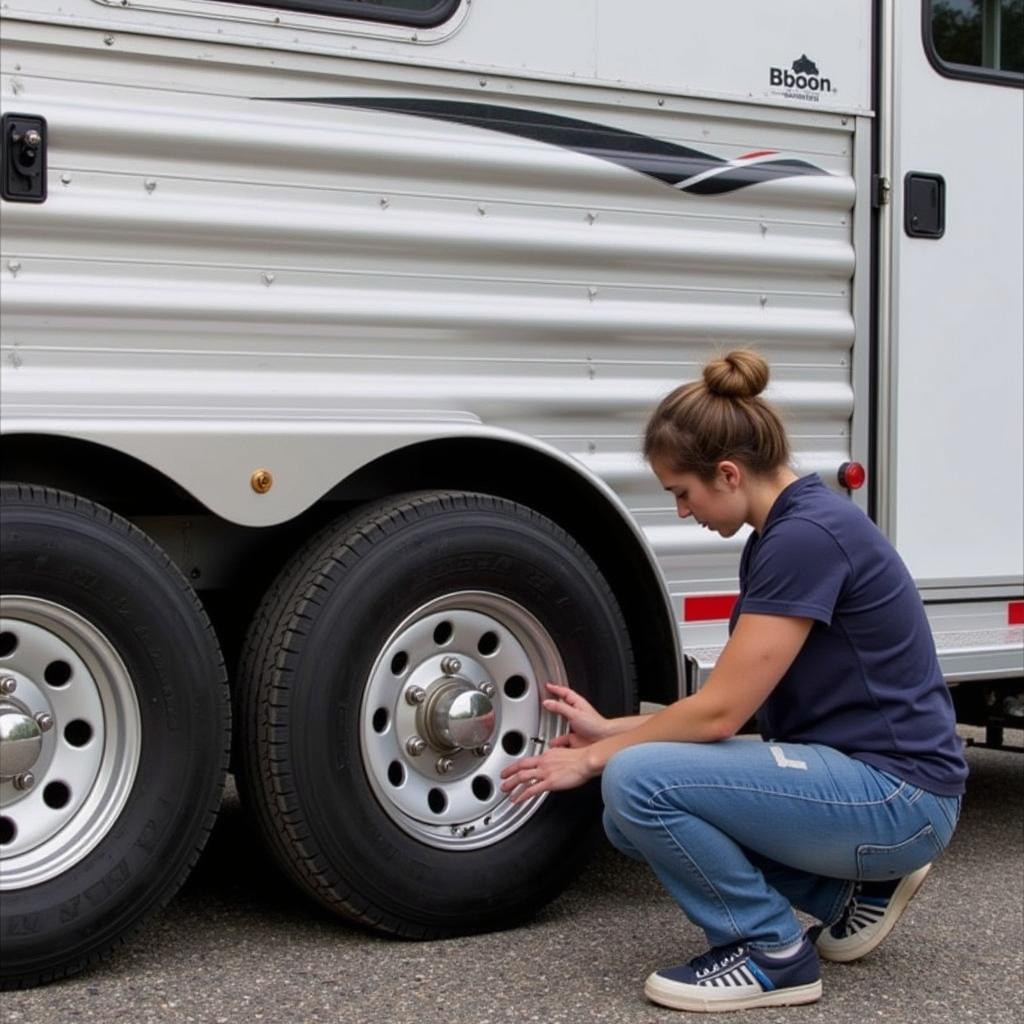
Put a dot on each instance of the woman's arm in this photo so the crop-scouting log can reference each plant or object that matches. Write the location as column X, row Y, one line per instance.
column 761, row 649
column 586, row 723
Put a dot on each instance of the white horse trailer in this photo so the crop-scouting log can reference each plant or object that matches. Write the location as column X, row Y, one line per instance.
column 329, row 331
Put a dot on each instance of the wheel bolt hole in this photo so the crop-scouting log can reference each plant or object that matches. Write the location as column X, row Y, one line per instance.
column 437, row 801
column 58, row 673
column 8, row 643
column 380, row 720
column 56, row 795
column 396, row 773
column 513, row 743
column 515, row 687
column 443, row 633
column 78, row 732
column 8, row 830
column 482, row 787
column 488, row 643
column 399, row 663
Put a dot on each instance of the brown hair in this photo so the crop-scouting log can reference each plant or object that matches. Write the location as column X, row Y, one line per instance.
column 699, row 424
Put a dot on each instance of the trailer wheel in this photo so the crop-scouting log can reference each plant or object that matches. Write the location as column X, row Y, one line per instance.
column 114, row 731
column 392, row 671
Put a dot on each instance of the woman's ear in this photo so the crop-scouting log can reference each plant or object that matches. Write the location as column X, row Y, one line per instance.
column 730, row 474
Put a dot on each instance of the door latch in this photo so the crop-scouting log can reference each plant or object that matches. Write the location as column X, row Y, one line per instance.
column 23, row 177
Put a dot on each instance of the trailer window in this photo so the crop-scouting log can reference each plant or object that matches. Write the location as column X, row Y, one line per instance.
column 418, row 13
column 981, row 39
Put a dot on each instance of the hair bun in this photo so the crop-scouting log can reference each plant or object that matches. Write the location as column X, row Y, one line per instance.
column 740, row 374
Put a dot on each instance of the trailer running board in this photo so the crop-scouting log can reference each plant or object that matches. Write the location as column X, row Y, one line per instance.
column 964, row 655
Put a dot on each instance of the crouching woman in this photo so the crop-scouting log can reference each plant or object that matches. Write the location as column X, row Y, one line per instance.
column 855, row 787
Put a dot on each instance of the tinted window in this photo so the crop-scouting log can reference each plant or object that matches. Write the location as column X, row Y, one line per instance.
column 421, row 13
column 979, row 33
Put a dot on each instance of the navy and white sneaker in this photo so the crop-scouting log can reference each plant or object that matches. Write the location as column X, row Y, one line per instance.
column 869, row 916
column 736, row 978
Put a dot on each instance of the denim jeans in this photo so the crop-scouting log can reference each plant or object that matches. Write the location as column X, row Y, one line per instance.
column 740, row 832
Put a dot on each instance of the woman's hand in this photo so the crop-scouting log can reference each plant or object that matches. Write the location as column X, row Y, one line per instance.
column 552, row 770
column 586, row 723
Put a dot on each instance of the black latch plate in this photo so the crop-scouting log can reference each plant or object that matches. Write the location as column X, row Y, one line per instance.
column 23, row 163
column 924, row 205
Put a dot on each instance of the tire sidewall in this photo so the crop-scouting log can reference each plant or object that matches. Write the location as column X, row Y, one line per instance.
column 520, row 556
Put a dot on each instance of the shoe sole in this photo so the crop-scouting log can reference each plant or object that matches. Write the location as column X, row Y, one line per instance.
column 845, row 951
column 667, row 993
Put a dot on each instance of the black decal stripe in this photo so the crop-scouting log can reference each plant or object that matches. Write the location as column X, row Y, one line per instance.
column 751, row 174
column 664, row 161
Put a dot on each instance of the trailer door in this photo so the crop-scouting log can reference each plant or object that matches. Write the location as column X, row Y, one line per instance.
column 955, row 488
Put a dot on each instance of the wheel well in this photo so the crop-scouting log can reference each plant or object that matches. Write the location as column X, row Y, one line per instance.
column 105, row 475
column 522, row 474
column 134, row 489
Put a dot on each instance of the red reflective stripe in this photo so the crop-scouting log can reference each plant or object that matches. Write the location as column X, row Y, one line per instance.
column 1015, row 613
column 707, row 609
column 760, row 152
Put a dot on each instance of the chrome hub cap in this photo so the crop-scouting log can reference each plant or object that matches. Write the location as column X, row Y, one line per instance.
column 70, row 738
column 455, row 696
column 21, row 741
column 456, row 716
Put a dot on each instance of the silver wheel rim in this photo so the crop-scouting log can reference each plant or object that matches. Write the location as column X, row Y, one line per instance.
column 59, row 671
column 450, row 650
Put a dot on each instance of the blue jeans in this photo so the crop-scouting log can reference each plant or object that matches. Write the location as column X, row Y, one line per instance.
column 741, row 832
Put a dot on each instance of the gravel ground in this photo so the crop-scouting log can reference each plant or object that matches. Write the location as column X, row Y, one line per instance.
column 238, row 945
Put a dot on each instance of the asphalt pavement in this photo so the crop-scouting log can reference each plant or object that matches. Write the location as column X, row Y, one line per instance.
column 239, row 945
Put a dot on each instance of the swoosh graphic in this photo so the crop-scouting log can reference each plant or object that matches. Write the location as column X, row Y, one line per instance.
column 688, row 170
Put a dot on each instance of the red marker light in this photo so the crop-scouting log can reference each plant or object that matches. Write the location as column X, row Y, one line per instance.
column 708, row 608
column 852, row 475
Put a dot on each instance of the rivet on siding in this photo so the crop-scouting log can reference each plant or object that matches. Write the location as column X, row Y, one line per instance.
column 764, row 300
column 591, row 216
column 481, row 209
column 661, row 102
column 149, row 184
column 591, row 293
column 261, row 481
column 764, row 228
column 268, row 278
column 108, row 40
column 384, row 202
column 13, row 266
column 483, row 83
column 65, row 179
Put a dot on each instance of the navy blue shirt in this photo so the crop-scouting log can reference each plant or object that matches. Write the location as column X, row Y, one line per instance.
column 867, row 681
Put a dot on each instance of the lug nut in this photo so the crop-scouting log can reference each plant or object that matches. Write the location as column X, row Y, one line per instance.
column 415, row 745
column 26, row 780
column 44, row 720
column 487, row 688
column 415, row 695
column 444, row 765
column 450, row 666
column 8, row 685
column 483, row 750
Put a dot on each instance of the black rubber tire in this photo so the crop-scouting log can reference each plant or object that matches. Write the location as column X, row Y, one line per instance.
column 304, row 667
column 70, row 551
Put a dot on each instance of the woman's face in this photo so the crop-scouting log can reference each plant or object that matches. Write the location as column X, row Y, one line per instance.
column 717, row 505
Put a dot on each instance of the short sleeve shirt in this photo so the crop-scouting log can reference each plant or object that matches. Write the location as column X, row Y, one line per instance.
column 867, row 681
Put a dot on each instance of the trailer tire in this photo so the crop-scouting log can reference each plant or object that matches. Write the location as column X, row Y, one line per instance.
column 448, row 593
column 106, row 805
